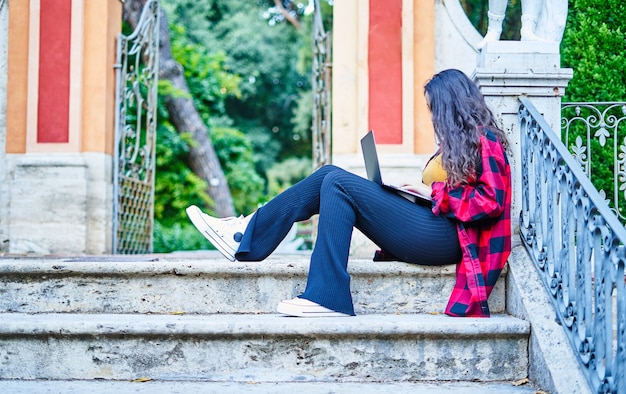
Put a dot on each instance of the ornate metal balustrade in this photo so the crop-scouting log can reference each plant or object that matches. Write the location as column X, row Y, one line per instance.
column 577, row 244
column 321, row 91
column 595, row 134
column 135, row 134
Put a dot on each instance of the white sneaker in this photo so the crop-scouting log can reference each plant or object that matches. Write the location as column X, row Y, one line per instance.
column 304, row 308
column 225, row 234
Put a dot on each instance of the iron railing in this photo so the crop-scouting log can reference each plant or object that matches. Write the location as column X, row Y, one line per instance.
column 595, row 134
column 321, row 128
column 577, row 245
column 135, row 134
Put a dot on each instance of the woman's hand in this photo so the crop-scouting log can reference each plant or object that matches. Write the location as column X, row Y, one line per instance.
column 419, row 188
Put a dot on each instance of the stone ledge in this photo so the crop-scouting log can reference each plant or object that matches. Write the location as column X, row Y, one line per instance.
column 264, row 348
column 165, row 264
column 220, row 325
column 252, row 387
column 210, row 284
column 201, row 263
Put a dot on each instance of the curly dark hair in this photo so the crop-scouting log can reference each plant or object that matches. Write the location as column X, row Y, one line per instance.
column 460, row 115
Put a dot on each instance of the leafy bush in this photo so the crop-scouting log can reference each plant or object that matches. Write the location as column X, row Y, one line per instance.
column 176, row 186
column 594, row 46
column 284, row 174
column 179, row 236
column 235, row 154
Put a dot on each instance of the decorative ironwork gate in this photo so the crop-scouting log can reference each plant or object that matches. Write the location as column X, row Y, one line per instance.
column 322, row 68
column 135, row 134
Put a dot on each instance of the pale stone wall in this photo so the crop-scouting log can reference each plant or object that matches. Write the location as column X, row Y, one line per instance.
column 99, row 198
column 4, row 32
column 59, row 204
column 48, row 204
column 455, row 38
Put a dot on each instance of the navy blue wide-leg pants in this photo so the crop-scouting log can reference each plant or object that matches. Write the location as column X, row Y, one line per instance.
column 406, row 230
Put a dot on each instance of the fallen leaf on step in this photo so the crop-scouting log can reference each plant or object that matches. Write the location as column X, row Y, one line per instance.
column 177, row 313
column 142, row 380
column 521, row 382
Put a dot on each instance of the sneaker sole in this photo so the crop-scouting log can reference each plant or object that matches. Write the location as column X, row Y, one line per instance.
column 195, row 215
column 299, row 311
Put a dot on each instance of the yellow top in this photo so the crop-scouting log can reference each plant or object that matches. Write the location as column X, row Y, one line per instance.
column 434, row 172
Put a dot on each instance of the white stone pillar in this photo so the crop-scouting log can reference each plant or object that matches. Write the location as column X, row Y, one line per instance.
column 506, row 70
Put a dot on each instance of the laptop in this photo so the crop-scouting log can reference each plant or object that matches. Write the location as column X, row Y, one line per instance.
column 372, row 167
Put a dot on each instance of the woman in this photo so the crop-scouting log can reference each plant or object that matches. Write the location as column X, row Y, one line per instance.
column 468, row 223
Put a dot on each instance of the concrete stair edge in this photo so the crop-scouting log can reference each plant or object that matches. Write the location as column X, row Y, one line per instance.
column 220, row 325
column 274, row 265
column 191, row 387
column 157, row 284
column 263, row 348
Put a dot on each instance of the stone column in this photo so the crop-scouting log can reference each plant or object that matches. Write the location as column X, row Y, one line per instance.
column 56, row 155
column 506, row 70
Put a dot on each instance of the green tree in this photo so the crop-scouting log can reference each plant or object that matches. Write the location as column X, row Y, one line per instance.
column 264, row 52
column 177, row 186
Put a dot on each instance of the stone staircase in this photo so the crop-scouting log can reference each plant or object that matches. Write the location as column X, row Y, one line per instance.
column 198, row 323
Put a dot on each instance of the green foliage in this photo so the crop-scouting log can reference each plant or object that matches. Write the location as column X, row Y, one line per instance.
column 267, row 54
column 179, row 236
column 303, row 116
column 176, row 186
column 284, row 174
column 235, row 154
column 208, row 79
column 249, row 74
column 594, row 46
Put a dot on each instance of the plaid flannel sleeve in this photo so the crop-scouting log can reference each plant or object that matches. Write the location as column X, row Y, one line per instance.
column 482, row 199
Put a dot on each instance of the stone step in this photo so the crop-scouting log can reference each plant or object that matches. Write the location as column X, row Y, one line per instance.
column 209, row 284
column 185, row 387
column 263, row 348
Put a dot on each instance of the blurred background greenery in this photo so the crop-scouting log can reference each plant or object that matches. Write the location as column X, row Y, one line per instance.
column 248, row 69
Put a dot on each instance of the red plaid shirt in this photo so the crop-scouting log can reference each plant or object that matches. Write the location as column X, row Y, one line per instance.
column 482, row 211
